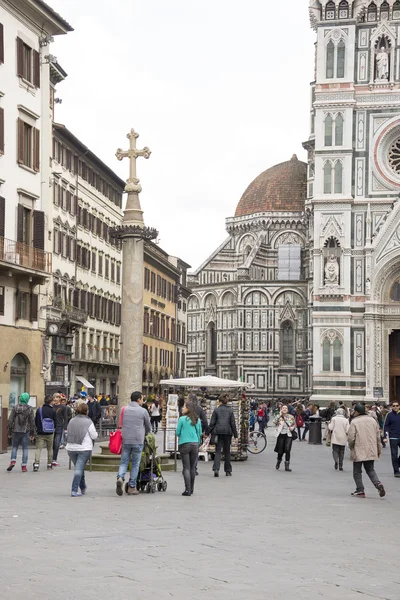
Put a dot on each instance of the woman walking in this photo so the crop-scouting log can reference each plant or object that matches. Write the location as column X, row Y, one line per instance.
column 339, row 426
column 223, row 425
column 189, row 433
column 155, row 415
column 300, row 419
column 285, row 425
column 80, row 436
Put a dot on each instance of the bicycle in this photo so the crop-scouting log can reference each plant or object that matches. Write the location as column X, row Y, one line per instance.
column 257, row 442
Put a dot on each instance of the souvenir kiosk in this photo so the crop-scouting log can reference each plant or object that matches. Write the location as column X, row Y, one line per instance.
column 207, row 389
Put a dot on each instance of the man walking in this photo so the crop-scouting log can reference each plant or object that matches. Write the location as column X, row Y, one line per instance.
column 21, row 427
column 135, row 426
column 392, row 433
column 94, row 410
column 61, row 426
column 45, row 421
column 365, row 446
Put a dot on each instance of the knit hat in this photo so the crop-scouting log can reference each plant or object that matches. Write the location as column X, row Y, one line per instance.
column 24, row 398
column 360, row 408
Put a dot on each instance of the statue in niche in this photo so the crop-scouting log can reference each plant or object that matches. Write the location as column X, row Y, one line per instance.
column 382, row 65
column 332, row 271
column 368, row 286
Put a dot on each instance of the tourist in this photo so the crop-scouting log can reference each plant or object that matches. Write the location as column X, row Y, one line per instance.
column 155, row 415
column 307, row 414
column 339, row 426
column 392, row 435
column 365, row 446
column 285, row 425
column 70, row 414
column 189, row 431
column 81, row 434
column 94, row 409
column 252, row 420
column 261, row 419
column 103, row 401
column 21, row 427
column 61, row 426
column 135, row 426
column 300, row 419
column 223, row 426
column 45, row 421
column 201, row 414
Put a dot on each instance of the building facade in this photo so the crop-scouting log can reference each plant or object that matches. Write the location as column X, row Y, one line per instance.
column 26, row 31
column 84, row 307
column 249, row 314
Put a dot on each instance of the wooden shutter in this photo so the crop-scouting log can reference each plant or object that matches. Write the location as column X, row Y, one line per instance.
column 18, row 304
column 68, row 247
column 34, row 307
column 1, row 130
column 83, row 299
column 75, row 299
column 68, row 201
column 118, row 313
column 20, row 149
column 2, row 298
column 36, row 69
column 2, row 216
column 20, row 223
column 1, row 43
column 20, row 57
column 38, row 229
column 59, row 242
column 75, row 204
column 110, row 311
column 36, row 149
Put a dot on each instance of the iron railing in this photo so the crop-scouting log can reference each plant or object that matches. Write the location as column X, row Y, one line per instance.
column 23, row 255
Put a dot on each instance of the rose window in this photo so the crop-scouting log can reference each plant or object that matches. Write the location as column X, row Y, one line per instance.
column 394, row 156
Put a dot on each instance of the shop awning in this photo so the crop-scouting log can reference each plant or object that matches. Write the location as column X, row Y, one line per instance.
column 85, row 382
column 206, row 381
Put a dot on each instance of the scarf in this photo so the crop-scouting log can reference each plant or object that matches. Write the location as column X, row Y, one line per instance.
column 77, row 429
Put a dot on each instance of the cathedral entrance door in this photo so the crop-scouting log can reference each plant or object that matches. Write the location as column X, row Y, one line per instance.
column 394, row 365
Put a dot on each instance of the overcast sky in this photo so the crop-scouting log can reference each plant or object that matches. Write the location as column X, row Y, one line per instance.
column 218, row 89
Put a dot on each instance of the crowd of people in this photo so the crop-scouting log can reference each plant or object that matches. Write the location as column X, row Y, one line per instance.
column 365, row 429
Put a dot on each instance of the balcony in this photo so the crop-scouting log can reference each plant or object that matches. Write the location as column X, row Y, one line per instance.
column 18, row 258
column 59, row 310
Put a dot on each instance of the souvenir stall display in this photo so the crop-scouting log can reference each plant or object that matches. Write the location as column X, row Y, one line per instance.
column 208, row 390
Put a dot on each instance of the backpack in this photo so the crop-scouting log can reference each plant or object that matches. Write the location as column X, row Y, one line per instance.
column 299, row 421
column 47, row 423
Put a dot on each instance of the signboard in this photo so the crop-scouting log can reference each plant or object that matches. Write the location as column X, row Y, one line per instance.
column 172, row 417
column 55, row 383
column 378, row 392
column 33, row 401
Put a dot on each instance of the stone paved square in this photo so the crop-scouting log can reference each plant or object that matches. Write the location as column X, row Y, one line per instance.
column 260, row 534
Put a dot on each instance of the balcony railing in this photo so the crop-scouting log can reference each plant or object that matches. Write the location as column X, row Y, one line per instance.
column 17, row 253
column 69, row 312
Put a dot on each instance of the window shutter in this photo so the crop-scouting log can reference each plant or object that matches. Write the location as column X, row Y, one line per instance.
column 2, row 216
column 83, row 299
column 117, row 313
column 20, row 57
column 36, row 149
column 59, row 242
column 110, row 311
column 34, row 307
column 20, row 223
column 75, row 299
column 75, row 205
column 2, row 298
column 38, row 229
column 68, row 247
column 1, row 130
column 20, row 149
column 1, row 43
column 68, row 201
column 18, row 305
column 36, row 69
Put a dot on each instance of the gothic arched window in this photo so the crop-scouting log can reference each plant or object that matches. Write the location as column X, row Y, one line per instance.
column 330, row 60
column 384, row 10
column 328, row 130
column 328, row 177
column 338, row 177
column 337, row 355
column 341, row 59
column 287, row 343
column 332, row 354
column 372, row 12
column 395, row 292
column 339, row 130
column 330, row 11
column 344, row 10
column 396, row 10
column 326, row 355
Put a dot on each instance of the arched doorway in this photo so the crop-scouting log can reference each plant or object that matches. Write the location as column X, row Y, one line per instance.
column 18, row 379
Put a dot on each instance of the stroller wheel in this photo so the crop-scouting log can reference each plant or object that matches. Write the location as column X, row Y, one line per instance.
column 164, row 486
column 148, row 488
column 153, row 488
column 159, row 486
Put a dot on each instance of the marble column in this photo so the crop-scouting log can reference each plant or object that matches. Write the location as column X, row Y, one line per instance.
column 132, row 234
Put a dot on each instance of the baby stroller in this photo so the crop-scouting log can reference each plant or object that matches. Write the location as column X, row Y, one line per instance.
column 150, row 476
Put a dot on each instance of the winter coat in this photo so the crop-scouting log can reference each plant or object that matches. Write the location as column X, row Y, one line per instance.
column 94, row 411
column 339, row 427
column 364, row 439
column 21, row 420
column 223, row 422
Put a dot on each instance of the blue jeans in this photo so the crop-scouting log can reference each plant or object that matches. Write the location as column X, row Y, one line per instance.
column 79, row 460
column 23, row 439
column 57, row 441
column 130, row 452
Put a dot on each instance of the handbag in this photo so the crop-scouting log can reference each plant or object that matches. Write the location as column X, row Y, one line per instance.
column 115, row 441
column 294, row 435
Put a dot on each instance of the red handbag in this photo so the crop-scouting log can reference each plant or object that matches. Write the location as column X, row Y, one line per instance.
column 115, row 442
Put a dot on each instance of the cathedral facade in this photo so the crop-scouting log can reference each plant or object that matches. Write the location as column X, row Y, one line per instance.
column 303, row 298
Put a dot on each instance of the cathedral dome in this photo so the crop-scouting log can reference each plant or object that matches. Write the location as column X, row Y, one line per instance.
column 278, row 189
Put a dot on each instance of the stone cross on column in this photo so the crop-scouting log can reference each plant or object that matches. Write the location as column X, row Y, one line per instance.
column 133, row 213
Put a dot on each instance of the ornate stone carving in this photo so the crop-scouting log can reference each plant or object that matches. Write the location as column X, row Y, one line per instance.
column 332, row 271
column 125, row 231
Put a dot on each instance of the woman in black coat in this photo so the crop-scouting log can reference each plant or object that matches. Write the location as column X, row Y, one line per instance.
column 223, row 425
